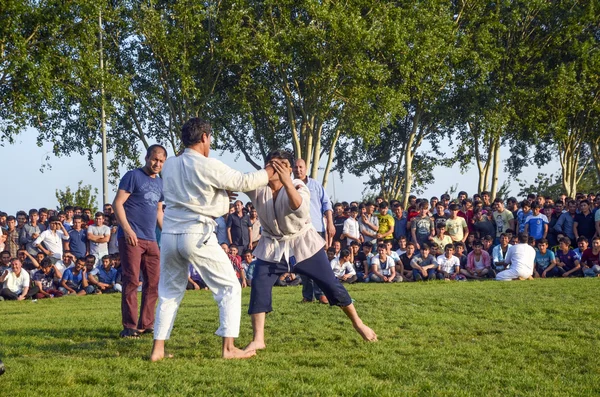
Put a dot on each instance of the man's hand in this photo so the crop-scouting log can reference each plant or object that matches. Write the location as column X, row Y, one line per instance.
column 131, row 238
column 544, row 274
column 565, row 275
column 34, row 236
column 196, row 286
column 20, row 298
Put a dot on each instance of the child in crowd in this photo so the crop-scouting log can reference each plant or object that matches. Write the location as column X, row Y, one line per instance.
column 343, row 268
column 248, row 263
column 448, row 264
column 424, row 265
column 543, row 259
column 566, row 264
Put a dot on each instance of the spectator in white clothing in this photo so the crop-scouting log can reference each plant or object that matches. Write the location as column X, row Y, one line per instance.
column 50, row 241
column 342, row 267
column 351, row 231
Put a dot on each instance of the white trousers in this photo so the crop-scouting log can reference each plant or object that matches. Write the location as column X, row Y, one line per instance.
column 512, row 274
column 206, row 255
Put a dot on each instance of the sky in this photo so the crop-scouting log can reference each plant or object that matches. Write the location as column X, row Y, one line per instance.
column 31, row 188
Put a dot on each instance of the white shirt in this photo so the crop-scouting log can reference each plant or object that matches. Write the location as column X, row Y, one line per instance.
column 98, row 248
column 447, row 264
column 385, row 267
column 195, row 189
column 341, row 269
column 352, row 229
column 52, row 241
column 285, row 232
column 17, row 284
column 521, row 257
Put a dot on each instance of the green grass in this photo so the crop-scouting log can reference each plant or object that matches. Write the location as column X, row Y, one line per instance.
column 538, row 337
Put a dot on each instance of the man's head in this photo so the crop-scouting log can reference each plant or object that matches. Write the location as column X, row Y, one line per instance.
column 54, row 223
column 344, row 255
column 353, row 212
column 80, row 264
column 77, row 222
column 454, row 208
column 99, row 218
column 477, row 247
column 34, row 216
column 596, row 243
column 425, row 248
column 21, row 218
column 582, row 243
column 286, row 159
column 90, row 262
column 239, row 207
column 197, row 133
column 233, row 249
column 337, row 245
column 535, row 207
column 584, row 206
column 382, row 251
column 354, row 247
column 367, row 248
column 398, row 210
column 69, row 211
column 449, row 250
column 440, row 228
column 410, row 248
column 5, row 258
column 67, row 258
column 383, row 207
column 330, row 253
column 504, row 239
column 15, row 265
column 524, row 237
column 46, row 266
column 155, row 158
column 542, row 245
column 11, row 222
column 106, row 263
column 299, row 169
column 108, row 209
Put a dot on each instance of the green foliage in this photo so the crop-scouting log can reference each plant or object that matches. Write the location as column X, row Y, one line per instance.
column 84, row 196
column 437, row 338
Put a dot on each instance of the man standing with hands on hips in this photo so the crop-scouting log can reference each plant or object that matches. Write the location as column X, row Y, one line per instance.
column 138, row 207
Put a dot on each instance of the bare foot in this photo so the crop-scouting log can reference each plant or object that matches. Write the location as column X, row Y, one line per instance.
column 255, row 346
column 157, row 356
column 367, row 333
column 239, row 354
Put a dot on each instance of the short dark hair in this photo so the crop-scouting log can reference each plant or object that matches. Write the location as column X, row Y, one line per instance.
column 582, row 238
column 542, row 241
column 282, row 154
column 565, row 240
column 524, row 237
column 344, row 253
column 192, row 131
column 383, row 204
column 33, row 211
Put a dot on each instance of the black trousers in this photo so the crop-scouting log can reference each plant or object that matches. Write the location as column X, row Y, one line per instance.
column 11, row 296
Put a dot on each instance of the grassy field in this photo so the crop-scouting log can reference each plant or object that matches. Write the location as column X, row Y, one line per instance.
column 538, row 337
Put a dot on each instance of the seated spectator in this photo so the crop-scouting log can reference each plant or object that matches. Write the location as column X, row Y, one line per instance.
column 195, row 281
column 479, row 263
column 362, row 262
column 68, row 260
column 543, row 259
column 50, row 241
column 459, row 252
column 287, row 280
column 566, row 262
column 343, row 268
column 448, row 264
column 582, row 245
column 590, row 260
column 383, row 268
column 74, row 280
column 106, row 277
column 401, row 246
column 16, row 283
column 521, row 258
column 29, row 262
column 499, row 253
column 46, row 280
column 424, row 265
column 406, row 258
column 488, row 244
column 248, row 263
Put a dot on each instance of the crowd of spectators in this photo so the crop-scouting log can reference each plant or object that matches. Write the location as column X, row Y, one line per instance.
column 46, row 253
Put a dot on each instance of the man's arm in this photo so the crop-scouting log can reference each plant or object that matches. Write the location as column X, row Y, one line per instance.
column 575, row 224
column 160, row 214
column 39, row 285
column 118, row 206
column 545, row 230
column 34, row 261
column 577, row 267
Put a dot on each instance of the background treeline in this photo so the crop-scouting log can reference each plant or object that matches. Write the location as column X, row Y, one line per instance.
column 376, row 88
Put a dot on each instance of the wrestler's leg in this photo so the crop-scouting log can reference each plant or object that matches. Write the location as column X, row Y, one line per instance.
column 216, row 270
column 317, row 267
column 265, row 276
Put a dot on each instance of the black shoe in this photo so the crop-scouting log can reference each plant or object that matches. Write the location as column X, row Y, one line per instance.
column 147, row 331
column 129, row 333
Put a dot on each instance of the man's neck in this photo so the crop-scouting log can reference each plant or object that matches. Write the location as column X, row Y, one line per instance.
column 148, row 172
column 595, row 250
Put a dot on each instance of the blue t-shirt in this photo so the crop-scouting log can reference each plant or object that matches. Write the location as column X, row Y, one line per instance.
column 142, row 204
column 568, row 259
column 544, row 261
column 108, row 277
column 521, row 216
column 536, row 225
column 71, row 278
column 77, row 242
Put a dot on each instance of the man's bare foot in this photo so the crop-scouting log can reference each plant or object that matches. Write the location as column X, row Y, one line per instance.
column 238, row 354
column 367, row 333
column 255, row 346
column 157, row 356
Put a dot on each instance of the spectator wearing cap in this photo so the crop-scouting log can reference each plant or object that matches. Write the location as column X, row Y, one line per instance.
column 50, row 241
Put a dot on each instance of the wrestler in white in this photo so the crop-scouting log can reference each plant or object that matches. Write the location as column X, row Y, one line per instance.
column 196, row 190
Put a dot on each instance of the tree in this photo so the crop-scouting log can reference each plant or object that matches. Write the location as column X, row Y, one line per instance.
column 84, row 197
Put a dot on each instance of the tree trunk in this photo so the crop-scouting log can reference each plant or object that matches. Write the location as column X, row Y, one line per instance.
column 596, row 157
column 496, row 167
column 409, row 156
column 316, row 152
column 330, row 157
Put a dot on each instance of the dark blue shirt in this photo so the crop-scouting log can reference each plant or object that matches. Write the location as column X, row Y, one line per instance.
column 71, row 278
column 142, row 205
column 240, row 234
column 400, row 227
column 77, row 242
column 108, row 277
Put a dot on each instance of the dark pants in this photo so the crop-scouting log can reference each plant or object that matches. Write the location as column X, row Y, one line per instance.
column 316, row 267
column 144, row 257
column 11, row 296
column 418, row 276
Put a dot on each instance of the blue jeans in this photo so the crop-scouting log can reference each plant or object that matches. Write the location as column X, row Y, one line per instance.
column 362, row 277
column 418, row 276
column 310, row 290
